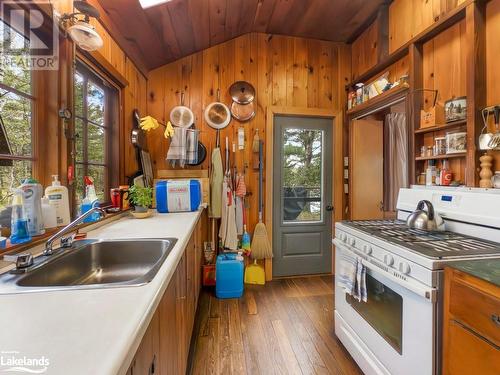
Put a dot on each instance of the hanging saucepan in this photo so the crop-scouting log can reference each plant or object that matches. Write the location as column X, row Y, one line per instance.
column 243, row 95
column 182, row 116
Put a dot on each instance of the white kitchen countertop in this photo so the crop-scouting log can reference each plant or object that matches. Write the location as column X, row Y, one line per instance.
column 95, row 331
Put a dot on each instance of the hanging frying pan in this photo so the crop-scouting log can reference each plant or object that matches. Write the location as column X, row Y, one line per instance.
column 202, row 154
column 182, row 116
column 217, row 115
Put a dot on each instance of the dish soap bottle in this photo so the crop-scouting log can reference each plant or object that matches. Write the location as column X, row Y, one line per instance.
column 90, row 201
column 19, row 221
column 58, row 198
column 33, row 206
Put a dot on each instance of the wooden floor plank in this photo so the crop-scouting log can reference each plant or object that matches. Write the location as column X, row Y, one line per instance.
column 285, row 327
column 292, row 365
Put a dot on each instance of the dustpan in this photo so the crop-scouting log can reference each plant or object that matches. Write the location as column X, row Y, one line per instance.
column 255, row 274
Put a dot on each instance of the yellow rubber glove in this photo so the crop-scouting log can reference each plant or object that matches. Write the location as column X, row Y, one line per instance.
column 149, row 123
column 169, row 130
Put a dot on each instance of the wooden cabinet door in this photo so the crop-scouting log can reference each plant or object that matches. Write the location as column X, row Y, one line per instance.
column 181, row 315
column 146, row 358
column 168, row 342
column 367, row 169
column 467, row 353
column 191, row 287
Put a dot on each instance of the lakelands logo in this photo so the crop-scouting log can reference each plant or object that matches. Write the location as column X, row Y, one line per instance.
column 14, row 362
column 29, row 38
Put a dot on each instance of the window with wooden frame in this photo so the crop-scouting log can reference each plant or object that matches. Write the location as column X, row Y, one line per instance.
column 17, row 102
column 96, row 119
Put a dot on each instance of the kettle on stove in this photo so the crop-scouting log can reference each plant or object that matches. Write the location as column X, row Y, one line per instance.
column 425, row 218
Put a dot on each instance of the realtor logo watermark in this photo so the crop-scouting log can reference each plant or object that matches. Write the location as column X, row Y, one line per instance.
column 31, row 39
column 15, row 362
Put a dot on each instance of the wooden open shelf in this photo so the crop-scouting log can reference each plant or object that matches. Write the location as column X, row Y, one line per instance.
column 439, row 157
column 372, row 103
column 450, row 125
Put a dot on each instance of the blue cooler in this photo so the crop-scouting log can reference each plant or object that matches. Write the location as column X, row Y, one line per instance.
column 178, row 195
column 228, row 276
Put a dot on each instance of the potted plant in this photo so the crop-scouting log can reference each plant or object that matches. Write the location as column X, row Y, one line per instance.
column 142, row 198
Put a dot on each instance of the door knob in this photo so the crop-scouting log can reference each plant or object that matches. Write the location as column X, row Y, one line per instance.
column 329, row 208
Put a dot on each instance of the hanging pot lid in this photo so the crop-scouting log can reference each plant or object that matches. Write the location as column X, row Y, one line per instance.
column 217, row 115
column 242, row 92
column 243, row 112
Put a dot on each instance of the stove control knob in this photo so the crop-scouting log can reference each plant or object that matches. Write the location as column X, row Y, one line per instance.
column 388, row 260
column 404, row 268
column 343, row 237
column 352, row 241
column 367, row 249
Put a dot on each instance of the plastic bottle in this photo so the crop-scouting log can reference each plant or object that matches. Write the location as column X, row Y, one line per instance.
column 58, row 198
column 90, row 201
column 33, row 206
column 19, row 221
column 430, row 173
column 49, row 214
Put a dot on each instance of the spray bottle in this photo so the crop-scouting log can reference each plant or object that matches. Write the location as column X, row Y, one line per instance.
column 19, row 220
column 90, row 201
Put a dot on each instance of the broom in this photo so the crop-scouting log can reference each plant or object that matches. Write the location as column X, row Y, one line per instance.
column 261, row 248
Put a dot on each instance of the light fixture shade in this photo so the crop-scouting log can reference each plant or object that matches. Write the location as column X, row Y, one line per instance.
column 85, row 36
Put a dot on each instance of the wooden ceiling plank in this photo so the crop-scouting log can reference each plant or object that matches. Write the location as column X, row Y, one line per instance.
column 198, row 9
column 170, row 31
column 263, row 15
column 217, row 20
column 181, row 23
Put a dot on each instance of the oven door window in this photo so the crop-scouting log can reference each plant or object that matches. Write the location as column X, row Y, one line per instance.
column 383, row 311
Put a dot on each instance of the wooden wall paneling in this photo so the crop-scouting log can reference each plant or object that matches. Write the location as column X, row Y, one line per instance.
column 414, row 104
column 300, row 73
column 285, row 70
column 365, row 52
column 475, row 70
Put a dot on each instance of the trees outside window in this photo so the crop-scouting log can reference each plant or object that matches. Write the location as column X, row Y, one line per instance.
column 16, row 110
column 93, row 128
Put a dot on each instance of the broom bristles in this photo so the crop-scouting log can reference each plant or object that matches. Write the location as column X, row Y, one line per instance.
column 261, row 248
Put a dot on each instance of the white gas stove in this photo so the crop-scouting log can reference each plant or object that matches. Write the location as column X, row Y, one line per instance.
column 398, row 330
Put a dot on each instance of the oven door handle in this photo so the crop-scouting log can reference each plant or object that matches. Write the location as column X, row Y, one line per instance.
column 426, row 292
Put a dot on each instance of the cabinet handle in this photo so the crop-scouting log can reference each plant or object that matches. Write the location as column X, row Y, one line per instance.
column 496, row 319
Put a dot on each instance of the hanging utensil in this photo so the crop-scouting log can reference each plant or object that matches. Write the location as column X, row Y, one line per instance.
column 243, row 95
column 217, row 114
column 182, row 116
column 242, row 92
column 243, row 112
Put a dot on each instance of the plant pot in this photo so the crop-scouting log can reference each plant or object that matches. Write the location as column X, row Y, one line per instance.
column 142, row 215
column 141, row 209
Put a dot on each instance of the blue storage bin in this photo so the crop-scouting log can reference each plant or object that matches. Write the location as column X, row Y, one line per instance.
column 178, row 195
column 228, row 276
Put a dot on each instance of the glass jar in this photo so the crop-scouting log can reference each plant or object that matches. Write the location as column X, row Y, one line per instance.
column 440, row 146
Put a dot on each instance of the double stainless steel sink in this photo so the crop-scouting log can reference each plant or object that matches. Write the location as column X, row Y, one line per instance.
column 90, row 264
